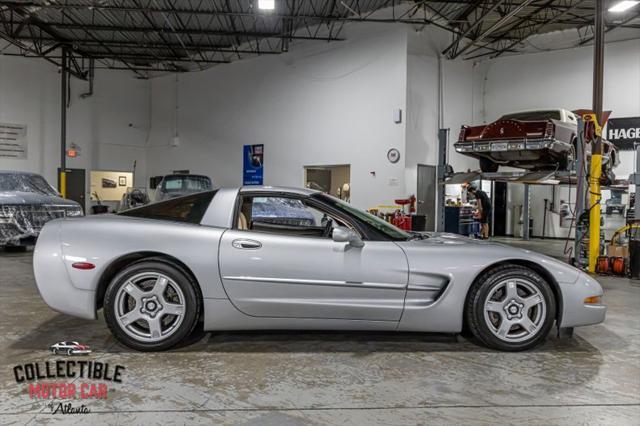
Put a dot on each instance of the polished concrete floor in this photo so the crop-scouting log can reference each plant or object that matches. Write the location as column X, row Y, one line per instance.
column 290, row 378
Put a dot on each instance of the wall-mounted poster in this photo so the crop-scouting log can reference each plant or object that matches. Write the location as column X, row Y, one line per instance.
column 253, row 165
column 623, row 132
column 13, row 141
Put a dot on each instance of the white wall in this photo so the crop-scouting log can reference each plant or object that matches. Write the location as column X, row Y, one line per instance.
column 319, row 104
column 423, row 49
column 110, row 127
column 560, row 79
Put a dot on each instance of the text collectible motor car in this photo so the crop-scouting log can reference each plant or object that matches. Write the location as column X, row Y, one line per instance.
column 535, row 140
column 157, row 270
column 27, row 202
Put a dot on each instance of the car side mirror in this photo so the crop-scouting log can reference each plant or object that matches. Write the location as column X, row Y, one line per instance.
column 342, row 234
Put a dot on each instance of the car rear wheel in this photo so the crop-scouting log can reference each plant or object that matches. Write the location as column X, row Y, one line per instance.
column 488, row 166
column 511, row 308
column 151, row 306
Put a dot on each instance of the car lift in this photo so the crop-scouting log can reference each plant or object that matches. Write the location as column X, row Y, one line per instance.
column 577, row 176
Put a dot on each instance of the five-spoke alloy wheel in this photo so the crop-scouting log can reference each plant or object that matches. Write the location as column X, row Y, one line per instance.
column 151, row 305
column 511, row 308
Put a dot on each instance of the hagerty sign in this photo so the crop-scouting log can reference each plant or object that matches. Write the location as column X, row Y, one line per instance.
column 624, row 132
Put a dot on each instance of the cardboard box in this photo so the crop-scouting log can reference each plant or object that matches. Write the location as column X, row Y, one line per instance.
column 617, row 251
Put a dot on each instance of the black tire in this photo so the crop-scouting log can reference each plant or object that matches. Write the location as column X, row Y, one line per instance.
column 480, row 291
column 69, row 352
column 488, row 166
column 181, row 279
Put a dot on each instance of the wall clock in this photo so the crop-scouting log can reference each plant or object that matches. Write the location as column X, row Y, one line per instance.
column 393, row 155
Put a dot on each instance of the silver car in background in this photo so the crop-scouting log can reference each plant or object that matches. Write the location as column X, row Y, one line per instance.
column 178, row 185
column 27, row 202
column 213, row 257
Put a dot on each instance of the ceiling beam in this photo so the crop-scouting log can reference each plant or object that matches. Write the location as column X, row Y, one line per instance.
column 193, row 31
column 612, row 27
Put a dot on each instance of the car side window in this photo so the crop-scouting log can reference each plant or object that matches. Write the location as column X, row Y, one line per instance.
column 284, row 216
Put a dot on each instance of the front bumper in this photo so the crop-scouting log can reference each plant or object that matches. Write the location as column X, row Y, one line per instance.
column 22, row 223
column 575, row 312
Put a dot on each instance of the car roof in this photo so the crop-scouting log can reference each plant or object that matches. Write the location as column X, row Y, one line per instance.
column 182, row 175
column 285, row 189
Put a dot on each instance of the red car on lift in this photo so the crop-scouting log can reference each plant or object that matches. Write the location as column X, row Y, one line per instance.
column 534, row 140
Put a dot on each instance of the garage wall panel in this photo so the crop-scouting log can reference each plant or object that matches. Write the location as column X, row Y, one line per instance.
column 318, row 104
column 110, row 127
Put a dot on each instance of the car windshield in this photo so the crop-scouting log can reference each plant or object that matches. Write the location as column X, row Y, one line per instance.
column 20, row 182
column 382, row 226
column 533, row 115
column 186, row 183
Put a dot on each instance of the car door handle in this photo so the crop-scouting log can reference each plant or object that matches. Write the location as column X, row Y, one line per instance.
column 246, row 244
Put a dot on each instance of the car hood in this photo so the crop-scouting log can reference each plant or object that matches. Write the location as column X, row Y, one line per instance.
column 32, row 198
column 453, row 252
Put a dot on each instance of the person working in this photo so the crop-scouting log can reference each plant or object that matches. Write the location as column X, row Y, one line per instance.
column 484, row 209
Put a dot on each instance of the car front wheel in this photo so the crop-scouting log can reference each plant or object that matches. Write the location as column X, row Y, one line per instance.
column 151, row 306
column 511, row 308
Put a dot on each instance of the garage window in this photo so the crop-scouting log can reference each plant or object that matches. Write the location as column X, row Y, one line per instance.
column 189, row 209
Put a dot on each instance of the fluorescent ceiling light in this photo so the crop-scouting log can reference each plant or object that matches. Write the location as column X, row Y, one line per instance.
column 623, row 5
column 266, row 4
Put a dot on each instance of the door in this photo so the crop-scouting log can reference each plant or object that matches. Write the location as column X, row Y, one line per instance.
column 426, row 195
column 76, row 185
column 283, row 263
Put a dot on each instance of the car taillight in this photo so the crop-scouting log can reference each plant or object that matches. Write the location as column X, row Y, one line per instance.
column 549, row 130
column 462, row 134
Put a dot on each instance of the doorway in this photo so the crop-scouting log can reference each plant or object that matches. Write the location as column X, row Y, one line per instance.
column 499, row 209
column 76, row 185
column 334, row 180
column 426, row 195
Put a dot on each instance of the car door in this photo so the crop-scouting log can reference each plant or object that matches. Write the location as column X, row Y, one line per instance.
column 290, row 272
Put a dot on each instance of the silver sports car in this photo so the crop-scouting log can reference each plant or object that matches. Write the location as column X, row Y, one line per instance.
column 158, row 270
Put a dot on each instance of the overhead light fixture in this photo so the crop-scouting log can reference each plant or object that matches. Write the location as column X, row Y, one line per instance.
column 623, row 5
column 266, row 4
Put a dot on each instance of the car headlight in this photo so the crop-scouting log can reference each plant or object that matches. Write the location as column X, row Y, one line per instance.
column 75, row 211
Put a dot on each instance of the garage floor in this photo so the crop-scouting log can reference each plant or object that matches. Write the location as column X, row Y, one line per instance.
column 287, row 378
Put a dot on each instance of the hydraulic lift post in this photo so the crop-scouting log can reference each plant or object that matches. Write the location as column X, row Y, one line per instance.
column 636, row 182
column 443, row 136
column 62, row 181
column 580, row 191
column 596, row 152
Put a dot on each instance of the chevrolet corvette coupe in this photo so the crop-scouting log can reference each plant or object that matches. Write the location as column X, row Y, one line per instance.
column 159, row 270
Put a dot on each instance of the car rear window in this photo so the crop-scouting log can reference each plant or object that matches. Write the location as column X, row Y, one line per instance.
column 189, row 209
